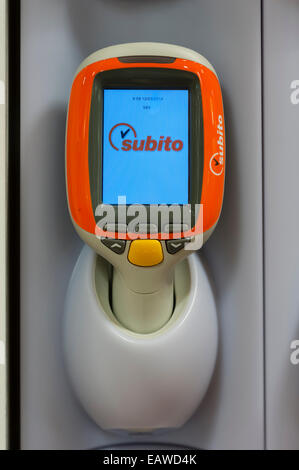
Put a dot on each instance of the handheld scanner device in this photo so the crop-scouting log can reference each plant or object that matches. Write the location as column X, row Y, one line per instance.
column 145, row 164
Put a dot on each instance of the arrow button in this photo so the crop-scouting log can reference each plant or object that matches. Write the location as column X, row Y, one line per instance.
column 173, row 246
column 117, row 246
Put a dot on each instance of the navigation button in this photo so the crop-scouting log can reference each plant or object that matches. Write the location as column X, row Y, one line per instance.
column 145, row 253
column 117, row 246
column 173, row 246
column 175, row 228
column 146, row 228
column 115, row 228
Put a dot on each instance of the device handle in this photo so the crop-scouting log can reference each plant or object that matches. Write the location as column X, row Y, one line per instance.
column 142, row 312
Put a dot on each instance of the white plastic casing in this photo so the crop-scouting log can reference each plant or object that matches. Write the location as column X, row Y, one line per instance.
column 139, row 382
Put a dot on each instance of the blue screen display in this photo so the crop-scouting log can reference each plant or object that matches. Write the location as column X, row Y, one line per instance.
column 145, row 146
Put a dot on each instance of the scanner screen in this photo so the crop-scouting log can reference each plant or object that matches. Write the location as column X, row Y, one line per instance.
column 145, row 146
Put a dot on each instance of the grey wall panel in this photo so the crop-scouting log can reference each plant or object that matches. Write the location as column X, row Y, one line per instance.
column 56, row 36
column 281, row 68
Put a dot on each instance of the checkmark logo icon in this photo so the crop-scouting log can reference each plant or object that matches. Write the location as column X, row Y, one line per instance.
column 216, row 165
column 123, row 134
column 124, row 125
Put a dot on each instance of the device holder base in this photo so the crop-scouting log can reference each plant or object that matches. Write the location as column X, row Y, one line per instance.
column 139, row 382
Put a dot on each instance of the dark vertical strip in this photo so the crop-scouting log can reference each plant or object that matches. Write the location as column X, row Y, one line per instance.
column 14, row 223
column 263, row 219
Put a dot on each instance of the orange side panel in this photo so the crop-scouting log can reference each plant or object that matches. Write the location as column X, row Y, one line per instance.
column 214, row 148
column 78, row 187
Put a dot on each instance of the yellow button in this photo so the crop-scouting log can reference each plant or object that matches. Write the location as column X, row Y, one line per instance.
column 145, row 252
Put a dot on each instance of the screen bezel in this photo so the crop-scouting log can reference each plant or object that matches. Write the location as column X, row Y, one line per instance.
column 146, row 78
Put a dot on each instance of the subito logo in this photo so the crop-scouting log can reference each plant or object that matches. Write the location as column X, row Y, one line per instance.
column 123, row 136
column 217, row 160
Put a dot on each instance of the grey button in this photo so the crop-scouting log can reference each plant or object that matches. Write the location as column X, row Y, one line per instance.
column 173, row 228
column 116, row 228
column 173, row 246
column 117, row 246
column 147, row 228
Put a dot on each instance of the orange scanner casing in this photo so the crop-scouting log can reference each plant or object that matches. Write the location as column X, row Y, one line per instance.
column 77, row 141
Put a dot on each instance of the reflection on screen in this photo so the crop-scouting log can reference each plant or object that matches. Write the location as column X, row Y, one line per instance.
column 145, row 146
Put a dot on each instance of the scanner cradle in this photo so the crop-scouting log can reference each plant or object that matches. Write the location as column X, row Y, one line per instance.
column 139, row 382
